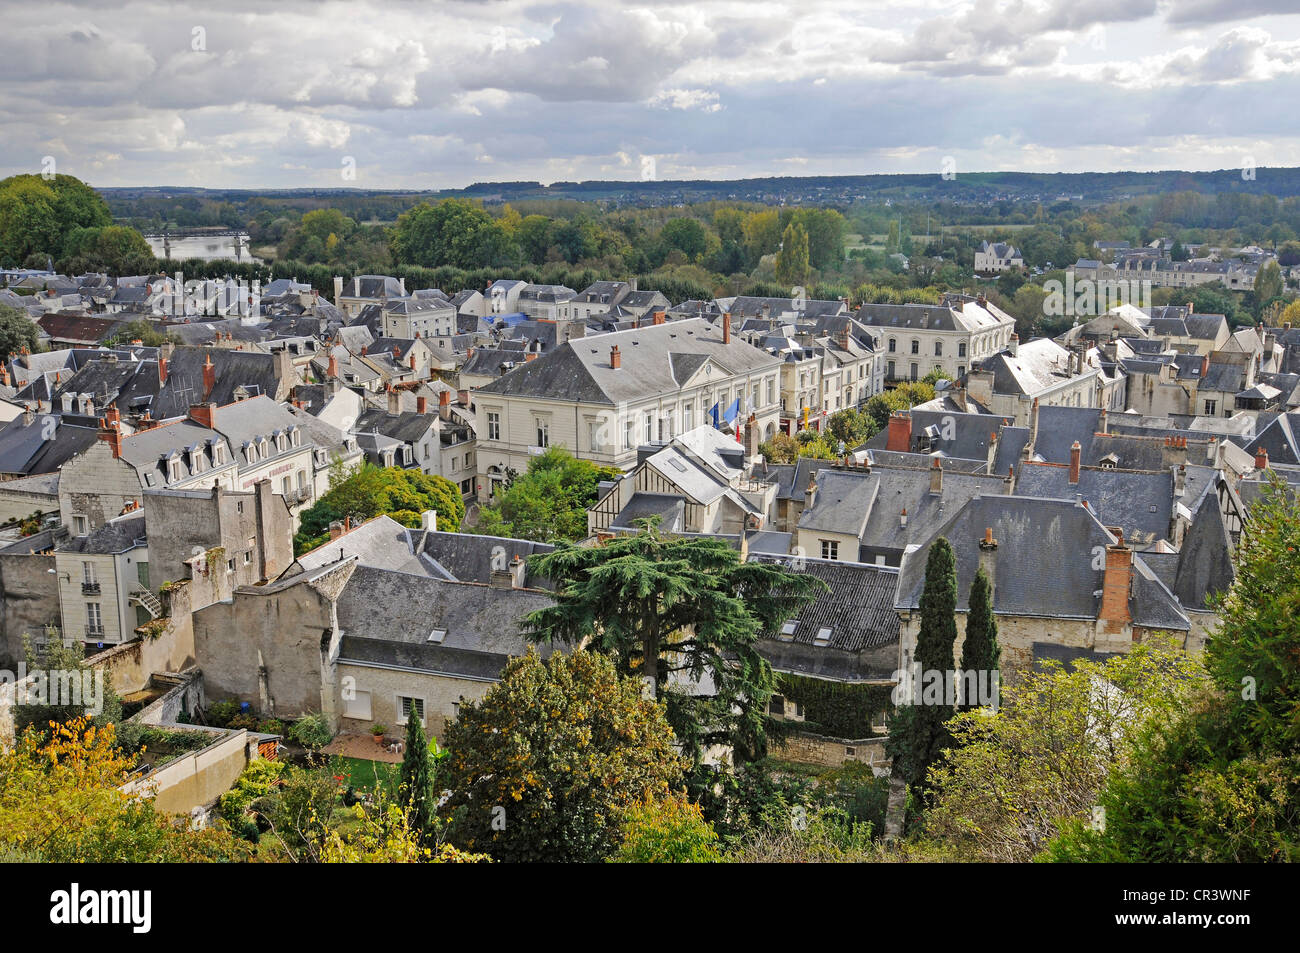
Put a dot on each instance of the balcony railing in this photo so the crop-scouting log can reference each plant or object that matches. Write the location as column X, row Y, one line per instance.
column 90, row 588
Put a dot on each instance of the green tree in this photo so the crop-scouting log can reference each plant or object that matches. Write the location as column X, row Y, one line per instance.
column 1219, row 779
column 112, row 249
column 546, row 765
column 38, row 214
column 684, row 608
column 762, row 232
column 792, row 265
column 980, row 652
column 917, row 735
column 825, row 228
column 687, row 235
column 416, row 787
column 371, row 491
column 851, row 427
column 549, row 501
column 448, row 233
column 17, row 331
column 62, row 801
column 1016, row 776
column 1268, row 284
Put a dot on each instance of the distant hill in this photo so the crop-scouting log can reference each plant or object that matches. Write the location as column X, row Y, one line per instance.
column 973, row 187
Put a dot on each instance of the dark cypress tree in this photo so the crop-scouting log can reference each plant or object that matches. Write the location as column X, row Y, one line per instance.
column 938, row 633
column 416, row 790
column 980, row 652
column 917, row 733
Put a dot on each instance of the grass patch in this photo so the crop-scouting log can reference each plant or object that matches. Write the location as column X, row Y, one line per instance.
column 365, row 775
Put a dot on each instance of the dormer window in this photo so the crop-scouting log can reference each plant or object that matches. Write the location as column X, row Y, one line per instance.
column 173, row 471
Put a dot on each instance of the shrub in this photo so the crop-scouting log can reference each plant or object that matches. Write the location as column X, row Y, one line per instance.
column 312, row 731
column 257, row 780
column 220, row 712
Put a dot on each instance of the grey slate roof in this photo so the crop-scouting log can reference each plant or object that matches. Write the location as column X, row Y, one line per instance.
column 387, row 618
column 1140, row 503
column 1044, row 563
column 115, row 536
column 580, row 370
column 380, row 543
column 468, row 557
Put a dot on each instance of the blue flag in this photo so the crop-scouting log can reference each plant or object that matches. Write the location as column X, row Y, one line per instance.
column 713, row 412
column 733, row 411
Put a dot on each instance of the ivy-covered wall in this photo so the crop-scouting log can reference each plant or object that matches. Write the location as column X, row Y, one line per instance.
column 834, row 708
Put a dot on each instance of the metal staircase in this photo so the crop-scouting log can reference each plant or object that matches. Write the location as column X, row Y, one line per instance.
column 147, row 599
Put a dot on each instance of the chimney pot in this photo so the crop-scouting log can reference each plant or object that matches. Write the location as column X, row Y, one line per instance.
column 615, row 358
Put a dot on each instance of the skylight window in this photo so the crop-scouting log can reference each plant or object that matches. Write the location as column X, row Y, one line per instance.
column 437, row 636
column 787, row 630
column 823, row 636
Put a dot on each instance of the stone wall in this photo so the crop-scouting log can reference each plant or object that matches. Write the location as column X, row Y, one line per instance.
column 29, row 601
column 440, row 693
column 806, row 748
column 198, row 778
column 272, row 646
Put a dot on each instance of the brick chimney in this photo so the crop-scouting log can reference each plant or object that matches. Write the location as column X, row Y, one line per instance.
column 203, row 414
column 659, row 317
column 751, row 437
column 444, row 404
column 421, row 404
column 844, row 338
column 936, row 477
column 112, row 432
column 333, row 369
column 615, row 358
column 162, row 370
column 209, row 376
column 1116, row 585
column 726, row 328
column 1261, row 459
column 1076, row 451
column 411, row 361
column 989, row 554
column 336, row 529
column 502, row 579
column 900, row 433
column 530, row 356
column 394, row 401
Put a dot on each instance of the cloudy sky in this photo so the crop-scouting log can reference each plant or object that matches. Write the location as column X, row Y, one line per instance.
column 404, row 94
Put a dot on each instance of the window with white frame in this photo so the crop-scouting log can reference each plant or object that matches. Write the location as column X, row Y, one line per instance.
column 493, row 425
column 405, row 703
column 94, row 621
column 830, row 549
column 543, row 431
